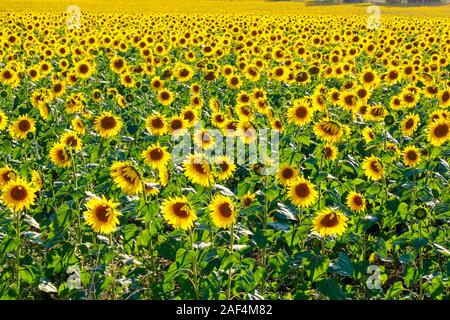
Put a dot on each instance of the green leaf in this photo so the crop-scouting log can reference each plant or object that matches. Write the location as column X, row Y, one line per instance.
column 342, row 265
column 395, row 290
column 315, row 265
column 331, row 289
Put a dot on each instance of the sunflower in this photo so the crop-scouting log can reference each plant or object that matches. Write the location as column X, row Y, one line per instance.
column 156, row 125
column 190, row 115
column 126, row 177
column 302, row 192
column 163, row 176
column 409, row 124
column 222, row 211
column 3, row 121
column 246, row 132
column 102, row 215
column 368, row 134
column 411, row 156
column 36, row 180
column 156, row 156
column 218, row 119
column 21, row 127
column 165, row 96
column 300, row 113
column 247, row 199
column 198, row 170
column 328, row 130
column 176, row 126
column 373, row 168
column 277, row 125
column 157, row 84
column 118, row 64
column 329, row 151
column 439, row 132
column 286, row 174
column 348, row 100
column 151, row 187
column 330, row 222
column 178, row 212
column 78, row 126
column 409, row 99
column 6, row 174
column 444, row 98
column 18, row 194
column 71, row 140
column 356, row 201
column 59, row 156
column 223, row 167
column 369, row 78
column 84, row 69
column 108, row 125
column 234, row 82
column 203, row 139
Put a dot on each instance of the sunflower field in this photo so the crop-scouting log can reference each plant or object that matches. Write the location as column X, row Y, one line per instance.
column 98, row 202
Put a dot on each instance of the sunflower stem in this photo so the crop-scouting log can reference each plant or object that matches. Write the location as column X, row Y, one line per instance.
column 194, row 266
column 77, row 203
column 151, row 247
column 265, row 218
column 18, row 225
column 320, row 183
column 421, row 293
column 231, row 252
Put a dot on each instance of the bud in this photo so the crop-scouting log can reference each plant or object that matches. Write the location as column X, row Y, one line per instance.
column 389, row 120
column 421, row 213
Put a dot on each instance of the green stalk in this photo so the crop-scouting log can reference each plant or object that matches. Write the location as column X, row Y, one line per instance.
column 18, row 225
column 195, row 267
column 320, row 183
column 231, row 252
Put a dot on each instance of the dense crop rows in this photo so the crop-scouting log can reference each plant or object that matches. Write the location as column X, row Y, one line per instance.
column 94, row 204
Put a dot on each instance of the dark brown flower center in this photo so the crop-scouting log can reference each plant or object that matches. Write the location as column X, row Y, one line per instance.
column 302, row 190
column 156, row 154
column 287, row 173
column 357, row 201
column 411, row 155
column 157, row 123
column 441, row 130
column 24, row 125
column 108, row 123
column 102, row 212
column 179, row 208
column 83, row 68
column 330, row 220
column 176, row 124
column 19, row 193
column 409, row 124
column 301, row 112
column 375, row 166
column 225, row 210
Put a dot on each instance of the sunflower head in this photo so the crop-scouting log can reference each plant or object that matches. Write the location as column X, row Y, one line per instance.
column 356, row 201
column 286, row 174
column 411, row 156
column 59, row 155
column 178, row 212
column 373, row 168
column 102, row 215
column 18, row 194
column 223, row 211
column 156, row 156
column 439, row 132
column 330, row 222
column 108, row 125
column 126, row 177
column 198, row 170
column 302, row 192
